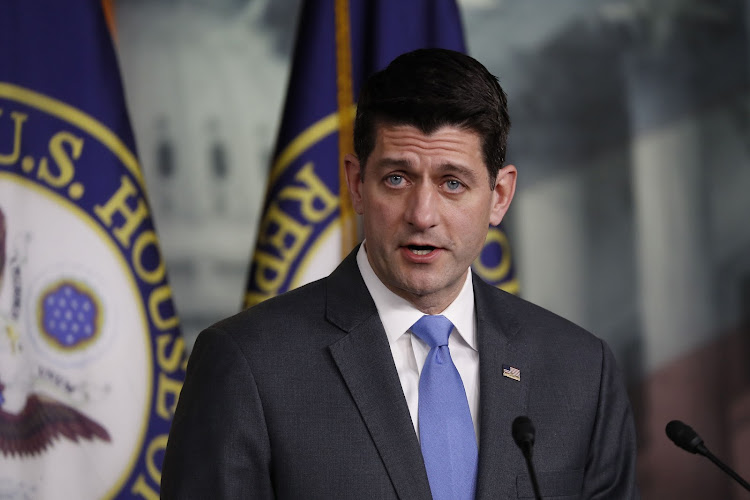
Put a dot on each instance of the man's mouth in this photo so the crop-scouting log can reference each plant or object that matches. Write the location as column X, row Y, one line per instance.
column 420, row 249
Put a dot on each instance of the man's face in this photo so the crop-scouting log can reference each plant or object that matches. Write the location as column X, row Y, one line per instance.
column 426, row 204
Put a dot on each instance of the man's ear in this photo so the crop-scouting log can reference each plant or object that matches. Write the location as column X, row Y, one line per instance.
column 354, row 181
column 502, row 195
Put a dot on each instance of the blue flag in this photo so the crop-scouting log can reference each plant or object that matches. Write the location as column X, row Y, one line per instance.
column 91, row 357
column 308, row 225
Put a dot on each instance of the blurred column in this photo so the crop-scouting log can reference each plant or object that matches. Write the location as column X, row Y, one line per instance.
column 670, row 193
column 553, row 244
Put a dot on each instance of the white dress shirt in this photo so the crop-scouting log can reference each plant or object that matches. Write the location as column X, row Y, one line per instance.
column 410, row 352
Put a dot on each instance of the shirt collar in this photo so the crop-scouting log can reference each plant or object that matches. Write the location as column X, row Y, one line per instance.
column 397, row 314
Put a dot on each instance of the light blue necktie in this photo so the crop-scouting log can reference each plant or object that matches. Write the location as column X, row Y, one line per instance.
column 446, row 432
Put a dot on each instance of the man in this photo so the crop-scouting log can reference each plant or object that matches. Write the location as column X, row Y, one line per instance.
column 339, row 389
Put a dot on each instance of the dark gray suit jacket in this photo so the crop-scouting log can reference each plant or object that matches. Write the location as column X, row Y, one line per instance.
column 298, row 397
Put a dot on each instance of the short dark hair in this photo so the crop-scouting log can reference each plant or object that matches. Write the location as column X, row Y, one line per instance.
column 430, row 88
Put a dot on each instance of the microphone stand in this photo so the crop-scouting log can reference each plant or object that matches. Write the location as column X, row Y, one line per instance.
column 721, row 465
column 532, row 475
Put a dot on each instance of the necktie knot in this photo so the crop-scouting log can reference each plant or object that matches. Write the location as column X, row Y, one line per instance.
column 433, row 329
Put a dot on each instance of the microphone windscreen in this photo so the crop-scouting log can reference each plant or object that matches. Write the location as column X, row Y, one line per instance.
column 684, row 436
column 523, row 431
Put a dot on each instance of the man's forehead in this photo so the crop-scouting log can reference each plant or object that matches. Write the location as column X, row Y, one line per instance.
column 450, row 138
column 384, row 124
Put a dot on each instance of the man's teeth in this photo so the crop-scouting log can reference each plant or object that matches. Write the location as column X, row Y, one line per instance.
column 420, row 251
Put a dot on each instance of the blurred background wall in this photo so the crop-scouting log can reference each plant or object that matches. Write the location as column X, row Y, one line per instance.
column 631, row 133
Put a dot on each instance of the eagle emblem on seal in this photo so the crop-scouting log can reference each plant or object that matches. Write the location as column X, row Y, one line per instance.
column 31, row 419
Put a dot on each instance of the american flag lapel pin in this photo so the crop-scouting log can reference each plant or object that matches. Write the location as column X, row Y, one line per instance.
column 512, row 372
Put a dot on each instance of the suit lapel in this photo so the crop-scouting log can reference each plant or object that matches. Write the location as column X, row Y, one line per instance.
column 365, row 361
column 501, row 399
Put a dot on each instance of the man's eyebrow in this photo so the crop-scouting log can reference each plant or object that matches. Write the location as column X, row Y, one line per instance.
column 459, row 170
column 392, row 162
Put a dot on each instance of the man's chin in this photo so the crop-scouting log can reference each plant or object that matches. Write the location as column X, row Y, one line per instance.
column 423, row 287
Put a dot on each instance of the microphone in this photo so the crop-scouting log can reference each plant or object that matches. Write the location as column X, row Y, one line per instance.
column 523, row 434
column 686, row 438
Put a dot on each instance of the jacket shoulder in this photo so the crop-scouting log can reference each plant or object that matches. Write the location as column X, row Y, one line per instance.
column 285, row 313
column 518, row 316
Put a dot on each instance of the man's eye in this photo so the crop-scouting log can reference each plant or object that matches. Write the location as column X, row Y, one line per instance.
column 394, row 180
column 453, row 185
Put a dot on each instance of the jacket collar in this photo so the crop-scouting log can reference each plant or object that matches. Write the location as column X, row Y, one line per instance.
column 501, row 398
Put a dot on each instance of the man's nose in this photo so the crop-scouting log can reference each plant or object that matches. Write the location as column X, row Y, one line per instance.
column 422, row 206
